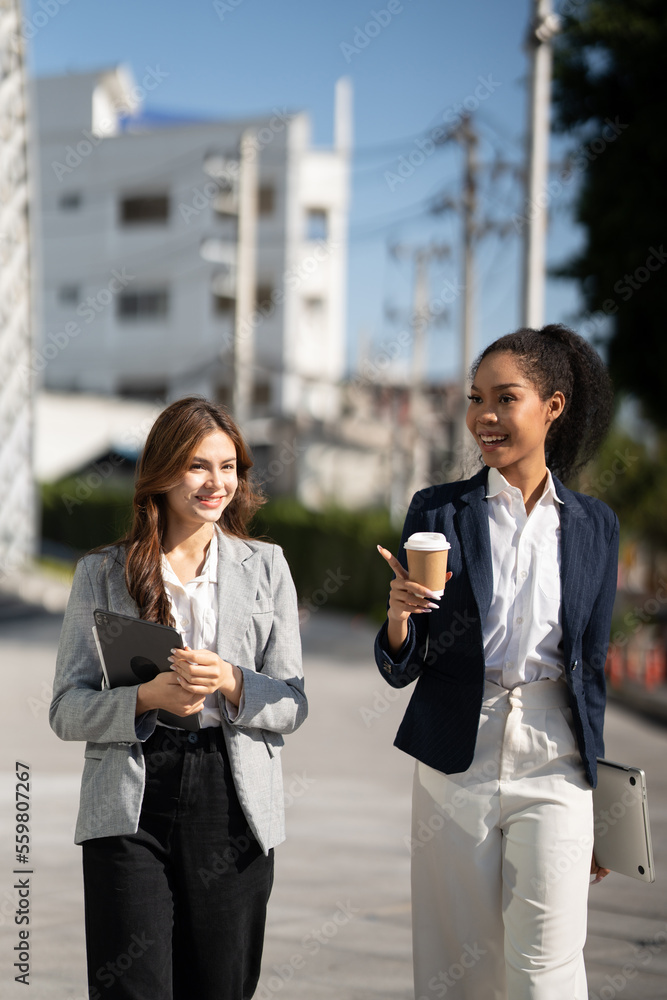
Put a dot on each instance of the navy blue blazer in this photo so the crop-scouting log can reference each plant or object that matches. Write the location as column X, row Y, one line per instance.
column 444, row 651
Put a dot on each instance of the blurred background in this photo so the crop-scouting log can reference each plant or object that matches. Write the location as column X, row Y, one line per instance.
column 318, row 214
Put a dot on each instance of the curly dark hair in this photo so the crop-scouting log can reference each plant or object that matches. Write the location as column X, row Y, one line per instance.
column 556, row 358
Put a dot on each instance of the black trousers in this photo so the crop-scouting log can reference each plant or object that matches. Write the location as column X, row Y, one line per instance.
column 178, row 909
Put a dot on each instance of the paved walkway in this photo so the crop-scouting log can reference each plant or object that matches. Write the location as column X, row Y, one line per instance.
column 339, row 920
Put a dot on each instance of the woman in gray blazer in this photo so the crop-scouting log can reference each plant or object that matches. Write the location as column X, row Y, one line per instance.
column 177, row 827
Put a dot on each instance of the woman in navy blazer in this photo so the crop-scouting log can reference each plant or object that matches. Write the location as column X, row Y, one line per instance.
column 442, row 646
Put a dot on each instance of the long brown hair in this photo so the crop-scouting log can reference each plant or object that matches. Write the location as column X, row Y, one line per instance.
column 171, row 443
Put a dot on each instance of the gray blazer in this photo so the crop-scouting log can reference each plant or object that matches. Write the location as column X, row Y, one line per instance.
column 258, row 631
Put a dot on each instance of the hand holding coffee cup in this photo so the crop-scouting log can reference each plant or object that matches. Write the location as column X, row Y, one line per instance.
column 406, row 595
column 427, row 560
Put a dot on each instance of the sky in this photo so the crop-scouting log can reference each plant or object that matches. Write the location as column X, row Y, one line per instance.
column 414, row 65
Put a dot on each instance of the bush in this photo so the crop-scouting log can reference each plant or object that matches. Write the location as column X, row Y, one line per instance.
column 80, row 518
column 332, row 554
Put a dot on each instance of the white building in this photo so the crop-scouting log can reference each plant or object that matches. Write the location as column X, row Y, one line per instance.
column 190, row 257
column 17, row 506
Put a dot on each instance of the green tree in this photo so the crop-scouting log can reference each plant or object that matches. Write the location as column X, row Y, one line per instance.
column 610, row 93
column 631, row 477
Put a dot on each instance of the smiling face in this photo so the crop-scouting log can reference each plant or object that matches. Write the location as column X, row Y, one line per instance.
column 508, row 419
column 209, row 483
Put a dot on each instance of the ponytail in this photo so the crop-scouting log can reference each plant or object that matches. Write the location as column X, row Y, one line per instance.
column 555, row 358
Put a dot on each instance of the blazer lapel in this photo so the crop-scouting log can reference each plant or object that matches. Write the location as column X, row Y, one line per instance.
column 119, row 599
column 577, row 547
column 473, row 518
column 238, row 574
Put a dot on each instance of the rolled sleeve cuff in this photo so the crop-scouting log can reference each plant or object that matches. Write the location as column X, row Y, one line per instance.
column 393, row 666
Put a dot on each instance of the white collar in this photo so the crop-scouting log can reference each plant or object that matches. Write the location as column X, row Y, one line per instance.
column 496, row 484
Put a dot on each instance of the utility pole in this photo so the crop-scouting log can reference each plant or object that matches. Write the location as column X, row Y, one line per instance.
column 543, row 26
column 411, row 452
column 421, row 315
column 244, row 347
column 467, row 137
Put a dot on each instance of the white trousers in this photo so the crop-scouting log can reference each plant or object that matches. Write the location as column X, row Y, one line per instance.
column 501, row 858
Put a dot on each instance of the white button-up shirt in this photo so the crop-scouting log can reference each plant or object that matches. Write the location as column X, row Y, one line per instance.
column 194, row 606
column 523, row 632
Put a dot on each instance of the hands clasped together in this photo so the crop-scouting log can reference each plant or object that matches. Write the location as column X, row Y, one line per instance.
column 194, row 674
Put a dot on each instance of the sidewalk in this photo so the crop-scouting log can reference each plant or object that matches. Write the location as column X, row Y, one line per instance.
column 339, row 917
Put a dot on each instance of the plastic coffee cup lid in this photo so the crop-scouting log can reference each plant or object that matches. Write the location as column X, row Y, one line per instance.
column 427, row 541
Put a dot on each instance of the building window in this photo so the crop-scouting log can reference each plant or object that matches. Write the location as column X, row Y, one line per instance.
column 314, row 308
column 266, row 198
column 70, row 202
column 261, row 393
column 317, row 224
column 223, row 305
column 147, row 305
column 69, row 295
column 145, row 390
column 263, row 300
column 144, row 209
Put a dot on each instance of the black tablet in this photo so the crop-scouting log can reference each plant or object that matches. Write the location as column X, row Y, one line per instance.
column 133, row 651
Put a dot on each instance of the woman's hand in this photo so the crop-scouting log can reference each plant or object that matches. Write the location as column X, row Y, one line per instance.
column 201, row 672
column 166, row 691
column 405, row 598
column 599, row 873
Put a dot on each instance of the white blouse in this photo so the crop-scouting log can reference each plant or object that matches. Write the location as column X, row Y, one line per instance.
column 523, row 631
column 194, row 606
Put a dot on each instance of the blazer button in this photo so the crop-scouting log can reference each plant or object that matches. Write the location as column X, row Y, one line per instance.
column 574, row 665
column 387, row 666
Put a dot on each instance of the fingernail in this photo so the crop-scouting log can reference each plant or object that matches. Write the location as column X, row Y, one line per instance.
column 434, row 606
column 433, row 596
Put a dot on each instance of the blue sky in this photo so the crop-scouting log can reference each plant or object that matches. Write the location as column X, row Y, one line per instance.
column 419, row 61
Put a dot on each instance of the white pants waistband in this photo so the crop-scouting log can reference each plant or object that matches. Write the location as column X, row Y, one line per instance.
column 536, row 694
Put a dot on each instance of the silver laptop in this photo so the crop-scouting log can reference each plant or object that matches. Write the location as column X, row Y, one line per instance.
column 621, row 822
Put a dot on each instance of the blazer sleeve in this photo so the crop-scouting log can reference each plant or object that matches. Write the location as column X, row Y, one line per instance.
column 401, row 668
column 81, row 709
column 595, row 642
column 274, row 697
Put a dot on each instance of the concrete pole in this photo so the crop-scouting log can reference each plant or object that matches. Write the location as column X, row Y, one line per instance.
column 420, row 319
column 544, row 25
column 468, row 137
column 246, row 280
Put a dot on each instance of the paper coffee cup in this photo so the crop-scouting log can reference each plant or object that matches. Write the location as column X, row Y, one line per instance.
column 427, row 559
